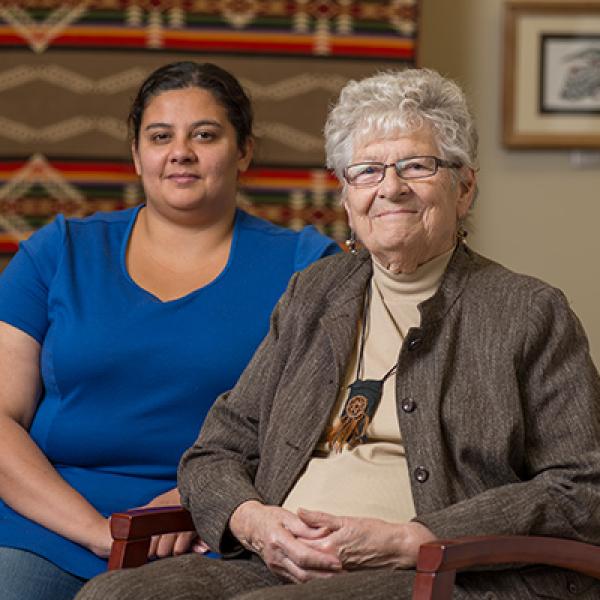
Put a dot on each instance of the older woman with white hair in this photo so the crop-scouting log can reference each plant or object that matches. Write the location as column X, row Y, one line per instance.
column 407, row 391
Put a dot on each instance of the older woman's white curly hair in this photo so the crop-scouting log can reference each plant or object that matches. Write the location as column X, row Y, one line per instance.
column 401, row 101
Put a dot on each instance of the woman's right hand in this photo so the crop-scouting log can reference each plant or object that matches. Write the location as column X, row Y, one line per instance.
column 100, row 542
column 173, row 544
column 273, row 533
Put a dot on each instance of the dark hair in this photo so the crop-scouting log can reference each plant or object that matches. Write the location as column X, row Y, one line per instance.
column 225, row 88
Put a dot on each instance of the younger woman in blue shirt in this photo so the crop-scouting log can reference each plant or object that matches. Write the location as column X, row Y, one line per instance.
column 119, row 330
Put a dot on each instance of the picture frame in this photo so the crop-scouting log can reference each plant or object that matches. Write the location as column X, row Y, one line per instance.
column 551, row 74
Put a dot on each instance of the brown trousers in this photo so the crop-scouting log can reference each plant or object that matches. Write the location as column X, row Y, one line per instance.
column 195, row 577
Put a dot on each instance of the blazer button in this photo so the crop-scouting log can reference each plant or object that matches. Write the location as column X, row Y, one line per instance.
column 572, row 587
column 421, row 474
column 414, row 344
column 408, row 405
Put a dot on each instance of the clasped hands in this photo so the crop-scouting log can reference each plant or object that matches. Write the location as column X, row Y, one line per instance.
column 310, row 544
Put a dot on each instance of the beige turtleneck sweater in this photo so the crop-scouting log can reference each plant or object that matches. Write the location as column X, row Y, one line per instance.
column 372, row 480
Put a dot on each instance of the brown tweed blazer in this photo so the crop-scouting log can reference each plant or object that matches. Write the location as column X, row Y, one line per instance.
column 497, row 398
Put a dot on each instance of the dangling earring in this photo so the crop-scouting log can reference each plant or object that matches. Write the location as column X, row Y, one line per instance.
column 462, row 234
column 351, row 244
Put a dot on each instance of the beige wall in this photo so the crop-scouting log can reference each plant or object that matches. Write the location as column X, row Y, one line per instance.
column 536, row 213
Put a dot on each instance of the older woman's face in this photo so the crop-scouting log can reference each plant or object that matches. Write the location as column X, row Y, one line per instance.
column 405, row 223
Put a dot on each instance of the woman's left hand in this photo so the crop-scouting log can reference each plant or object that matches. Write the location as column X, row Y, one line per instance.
column 173, row 544
column 368, row 543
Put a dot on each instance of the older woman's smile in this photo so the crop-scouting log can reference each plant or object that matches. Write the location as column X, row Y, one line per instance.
column 394, row 213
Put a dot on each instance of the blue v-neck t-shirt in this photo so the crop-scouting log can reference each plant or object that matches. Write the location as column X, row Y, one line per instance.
column 128, row 378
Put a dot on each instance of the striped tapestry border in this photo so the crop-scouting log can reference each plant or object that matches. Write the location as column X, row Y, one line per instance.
column 33, row 191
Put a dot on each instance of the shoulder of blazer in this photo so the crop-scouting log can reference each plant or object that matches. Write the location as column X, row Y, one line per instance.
column 489, row 278
column 340, row 276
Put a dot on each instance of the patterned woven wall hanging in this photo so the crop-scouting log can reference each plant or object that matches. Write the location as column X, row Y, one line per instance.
column 69, row 70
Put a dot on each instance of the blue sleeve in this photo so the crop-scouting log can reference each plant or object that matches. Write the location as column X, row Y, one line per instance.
column 313, row 245
column 25, row 282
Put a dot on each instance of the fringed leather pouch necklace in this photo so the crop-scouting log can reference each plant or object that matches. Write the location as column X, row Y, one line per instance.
column 364, row 395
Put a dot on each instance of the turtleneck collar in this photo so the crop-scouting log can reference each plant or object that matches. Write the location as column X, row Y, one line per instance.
column 421, row 283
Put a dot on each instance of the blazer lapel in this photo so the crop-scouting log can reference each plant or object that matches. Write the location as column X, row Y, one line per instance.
column 340, row 321
column 325, row 370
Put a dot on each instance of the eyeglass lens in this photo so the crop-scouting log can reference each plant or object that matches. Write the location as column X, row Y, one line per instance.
column 408, row 168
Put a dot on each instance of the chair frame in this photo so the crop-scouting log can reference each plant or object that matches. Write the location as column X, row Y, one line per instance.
column 437, row 564
column 439, row 561
column 132, row 532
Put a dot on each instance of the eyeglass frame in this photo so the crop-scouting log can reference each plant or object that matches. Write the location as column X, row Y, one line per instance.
column 439, row 162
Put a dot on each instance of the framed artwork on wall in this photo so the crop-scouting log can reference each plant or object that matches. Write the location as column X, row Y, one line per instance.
column 552, row 74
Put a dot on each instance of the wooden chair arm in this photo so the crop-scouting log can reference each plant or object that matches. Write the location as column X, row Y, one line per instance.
column 439, row 561
column 133, row 530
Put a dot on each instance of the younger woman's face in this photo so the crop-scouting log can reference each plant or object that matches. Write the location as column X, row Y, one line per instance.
column 187, row 154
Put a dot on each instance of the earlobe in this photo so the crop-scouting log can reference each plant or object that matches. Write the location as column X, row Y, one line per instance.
column 468, row 187
column 246, row 157
column 136, row 160
column 347, row 209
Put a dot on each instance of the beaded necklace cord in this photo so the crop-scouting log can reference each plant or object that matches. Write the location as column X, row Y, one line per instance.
column 364, row 396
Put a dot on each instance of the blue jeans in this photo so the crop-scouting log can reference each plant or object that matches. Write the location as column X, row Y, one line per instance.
column 27, row 576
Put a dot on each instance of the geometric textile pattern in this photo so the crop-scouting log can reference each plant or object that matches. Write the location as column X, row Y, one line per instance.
column 68, row 72
column 36, row 188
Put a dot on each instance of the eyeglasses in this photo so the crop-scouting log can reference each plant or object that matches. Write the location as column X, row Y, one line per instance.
column 367, row 174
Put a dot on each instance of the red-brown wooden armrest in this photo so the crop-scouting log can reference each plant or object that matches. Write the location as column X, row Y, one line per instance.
column 438, row 561
column 133, row 530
